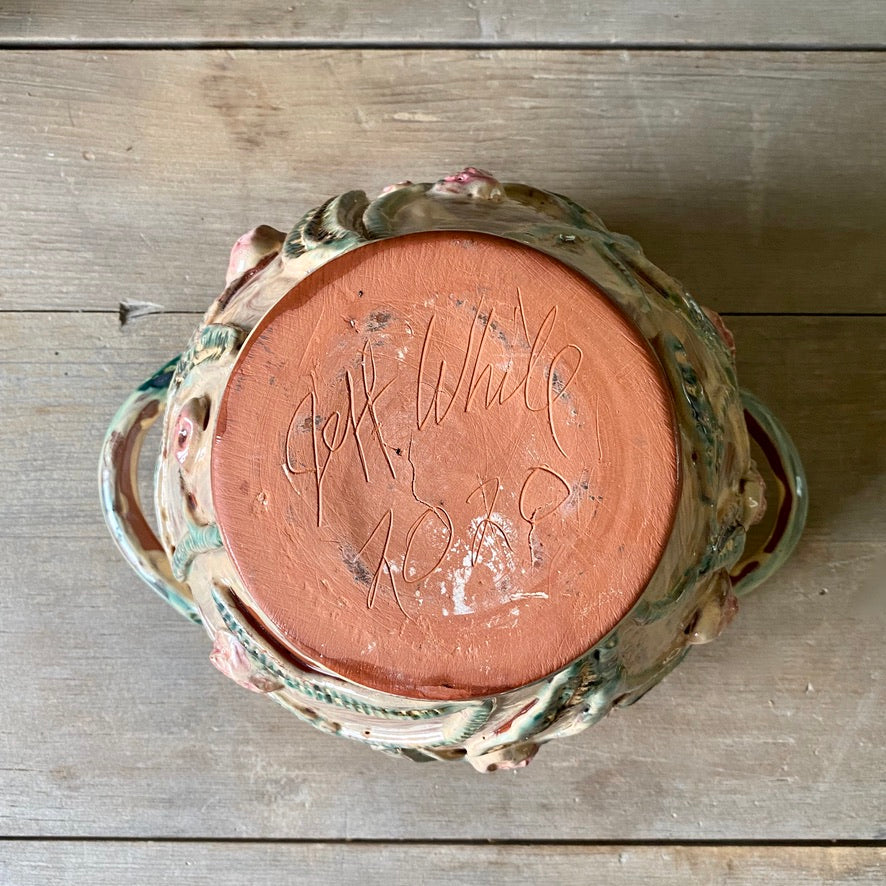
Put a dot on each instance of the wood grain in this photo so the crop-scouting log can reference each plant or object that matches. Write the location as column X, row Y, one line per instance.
column 268, row 864
column 565, row 22
column 114, row 724
column 756, row 178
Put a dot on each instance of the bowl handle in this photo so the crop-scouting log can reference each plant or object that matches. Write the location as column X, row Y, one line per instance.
column 120, row 501
column 792, row 497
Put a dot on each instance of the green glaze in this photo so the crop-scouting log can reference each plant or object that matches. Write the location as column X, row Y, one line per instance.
column 199, row 540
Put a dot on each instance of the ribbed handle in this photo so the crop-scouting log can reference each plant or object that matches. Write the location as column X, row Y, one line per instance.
column 791, row 501
column 120, row 500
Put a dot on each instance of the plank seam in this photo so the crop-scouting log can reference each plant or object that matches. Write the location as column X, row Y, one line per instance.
column 373, row 841
column 465, row 45
column 200, row 313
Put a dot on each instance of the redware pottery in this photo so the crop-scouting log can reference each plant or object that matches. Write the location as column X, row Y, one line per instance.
column 452, row 471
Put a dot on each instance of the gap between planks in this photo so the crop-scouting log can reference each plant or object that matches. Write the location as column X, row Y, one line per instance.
column 447, row 841
column 199, row 313
column 453, row 45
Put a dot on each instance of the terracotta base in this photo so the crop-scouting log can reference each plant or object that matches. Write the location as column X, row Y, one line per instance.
column 445, row 466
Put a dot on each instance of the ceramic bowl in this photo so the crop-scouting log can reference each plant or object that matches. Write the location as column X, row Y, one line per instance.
column 453, row 471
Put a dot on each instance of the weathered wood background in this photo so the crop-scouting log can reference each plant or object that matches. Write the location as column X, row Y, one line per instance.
column 741, row 143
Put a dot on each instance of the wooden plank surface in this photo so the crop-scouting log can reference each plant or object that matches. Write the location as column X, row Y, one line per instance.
column 266, row 864
column 115, row 725
column 605, row 22
column 756, row 178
